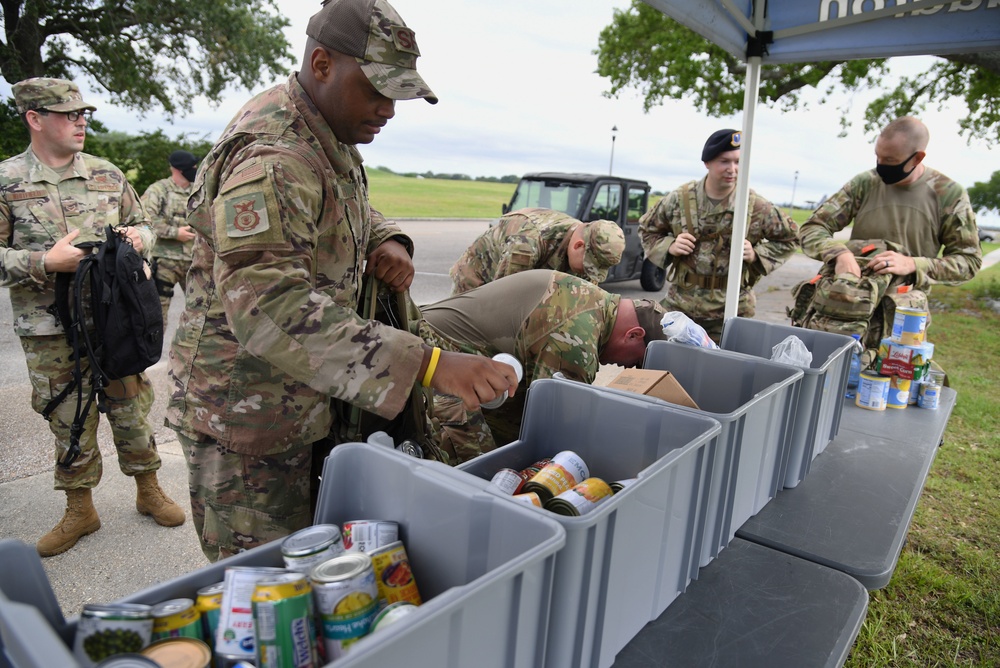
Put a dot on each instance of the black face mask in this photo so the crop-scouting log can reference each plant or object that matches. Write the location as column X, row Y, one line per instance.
column 189, row 173
column 893, row 173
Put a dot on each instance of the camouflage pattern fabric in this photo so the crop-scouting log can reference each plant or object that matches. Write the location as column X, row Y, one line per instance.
column 564, row 332
column 52, row 94
column 536, row 239
column 270, row 332
column 50, row 368
column 38, row 207
column 168, row 274
column 931, row 220
column 771, row 232
column 166, row 204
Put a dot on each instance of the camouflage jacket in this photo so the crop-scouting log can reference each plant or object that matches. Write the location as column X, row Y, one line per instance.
column 166, row 204
column 270, row 330
column 772, row 233
column 926, row 217
column 37, row 208
column 521, row 240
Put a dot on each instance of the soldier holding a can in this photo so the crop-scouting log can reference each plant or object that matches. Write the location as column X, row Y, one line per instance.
column 270, row 333
column 540, row 239
column 689, row 232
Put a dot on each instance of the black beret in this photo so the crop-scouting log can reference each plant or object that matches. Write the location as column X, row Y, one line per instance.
column 182, row 160
column 720, row 142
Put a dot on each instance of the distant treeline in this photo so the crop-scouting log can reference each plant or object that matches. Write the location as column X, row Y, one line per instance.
column 510, row 178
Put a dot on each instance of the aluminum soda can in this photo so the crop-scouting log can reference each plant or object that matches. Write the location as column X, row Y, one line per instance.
column 367, row 535
column 305, row 549
column 346, row 600
column 209, row 605
column 177, row 618
column 581, row 499
column 565, row 471
column 509, row 481
column 180, row 651
column 391, row 614
column 234, row 638
column 518, row 369
column 113, row 628
column 393, row 575
column 283, row 622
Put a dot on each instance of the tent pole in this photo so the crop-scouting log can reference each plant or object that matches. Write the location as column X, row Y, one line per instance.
column 742, row 197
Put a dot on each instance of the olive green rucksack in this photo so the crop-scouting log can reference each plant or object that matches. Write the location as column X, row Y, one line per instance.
column 847, row 304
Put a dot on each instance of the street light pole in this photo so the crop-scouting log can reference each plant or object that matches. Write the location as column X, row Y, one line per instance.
column 614, row 130
column 795, row 182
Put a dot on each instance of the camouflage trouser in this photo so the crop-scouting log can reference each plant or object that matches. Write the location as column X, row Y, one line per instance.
column 462, row 434
column 241, row 501
column 50, row 369
column 169, row 272
column 707, row 307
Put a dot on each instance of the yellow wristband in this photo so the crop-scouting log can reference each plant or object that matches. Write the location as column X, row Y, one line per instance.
column 431, row 367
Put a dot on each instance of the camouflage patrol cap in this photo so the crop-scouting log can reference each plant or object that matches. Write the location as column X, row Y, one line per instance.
column 649, row 314
column 605, row 245
column 374, row 33
column 49, row 94
column 720, row 142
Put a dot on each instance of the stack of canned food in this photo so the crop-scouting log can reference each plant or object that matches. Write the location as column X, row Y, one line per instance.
column 562, row 485
column 336, row 587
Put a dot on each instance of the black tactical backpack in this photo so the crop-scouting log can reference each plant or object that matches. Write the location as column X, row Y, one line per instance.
column 110, row 309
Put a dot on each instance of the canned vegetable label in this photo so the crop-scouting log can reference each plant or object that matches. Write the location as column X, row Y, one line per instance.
column 177, row 618
column 582, row 499
column 393, row 575
column 283, row 622
column 209, row 605
column 566, row 470
column 115, row 628
column 346, row 599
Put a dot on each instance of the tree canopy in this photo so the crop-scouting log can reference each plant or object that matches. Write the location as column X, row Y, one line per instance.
column 985, row 195
column 645, row 49
column 146, row 53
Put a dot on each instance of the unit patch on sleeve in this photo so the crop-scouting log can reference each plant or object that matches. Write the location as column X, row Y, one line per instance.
column 246, row 212
column 246, row 215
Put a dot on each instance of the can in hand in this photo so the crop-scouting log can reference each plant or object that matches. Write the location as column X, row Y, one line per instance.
column 518, row 369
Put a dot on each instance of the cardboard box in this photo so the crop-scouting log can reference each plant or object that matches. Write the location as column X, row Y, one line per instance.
column 652, row 383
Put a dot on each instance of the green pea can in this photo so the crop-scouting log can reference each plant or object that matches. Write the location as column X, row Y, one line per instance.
column 177, row 618
column 283, row 622
column 114, row 628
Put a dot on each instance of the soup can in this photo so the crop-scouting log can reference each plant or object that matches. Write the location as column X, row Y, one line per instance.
column 113, row 628
column 283, row 622
column 909, row 326
column 930, row 395
column 180, row 652
column 873, row 392
column 346, row 600
column 368, row 535
column 305, row 549
column 177, row 618
column 566, row 470
column 509, row 481
column 393, row 575
column 582, row 499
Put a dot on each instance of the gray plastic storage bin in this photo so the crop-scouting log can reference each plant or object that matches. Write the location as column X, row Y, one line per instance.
column 821, row 393
column 753, row 400
column 629, row 558
column 484, row 566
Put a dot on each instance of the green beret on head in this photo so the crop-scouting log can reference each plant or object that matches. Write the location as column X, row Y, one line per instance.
column 720, row 142
column 49, row 94
column 374, row 33
column 605, row 245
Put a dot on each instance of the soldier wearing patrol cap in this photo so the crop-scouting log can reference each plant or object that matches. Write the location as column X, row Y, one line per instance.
column 270, row 347
column 166, row 203
column 53, row 197
column 689, row 233
column 540, row 239
column 551, row 322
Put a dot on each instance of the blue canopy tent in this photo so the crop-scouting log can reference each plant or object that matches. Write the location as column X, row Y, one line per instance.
column 787, row 31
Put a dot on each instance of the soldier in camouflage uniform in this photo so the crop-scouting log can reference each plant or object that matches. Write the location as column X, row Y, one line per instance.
column 53, row 197
column 903, row 201
column 270, row 332
column 689, row 233
column 551, row 322
column 540, row 239
column 165, row 202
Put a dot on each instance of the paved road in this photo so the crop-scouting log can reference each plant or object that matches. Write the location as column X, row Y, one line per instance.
column 131, row 552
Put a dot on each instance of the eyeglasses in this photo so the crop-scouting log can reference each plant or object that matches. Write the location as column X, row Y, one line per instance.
column 71, row 116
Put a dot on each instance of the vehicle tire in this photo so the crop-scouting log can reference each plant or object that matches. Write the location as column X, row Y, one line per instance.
column 652, row 277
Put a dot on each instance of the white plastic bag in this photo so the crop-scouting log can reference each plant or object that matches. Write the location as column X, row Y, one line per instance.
column 681, row 329
column 792, row 351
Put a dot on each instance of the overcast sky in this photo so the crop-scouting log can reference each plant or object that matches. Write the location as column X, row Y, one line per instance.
column 518, row 94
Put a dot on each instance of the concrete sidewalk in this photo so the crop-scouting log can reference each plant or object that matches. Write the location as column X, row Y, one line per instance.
column 131, row 552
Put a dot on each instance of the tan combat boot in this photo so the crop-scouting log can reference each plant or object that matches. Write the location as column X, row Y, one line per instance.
column 80, row 519
column 151, row 500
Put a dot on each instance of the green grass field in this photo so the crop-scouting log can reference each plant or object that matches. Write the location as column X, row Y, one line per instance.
column 942, row 606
